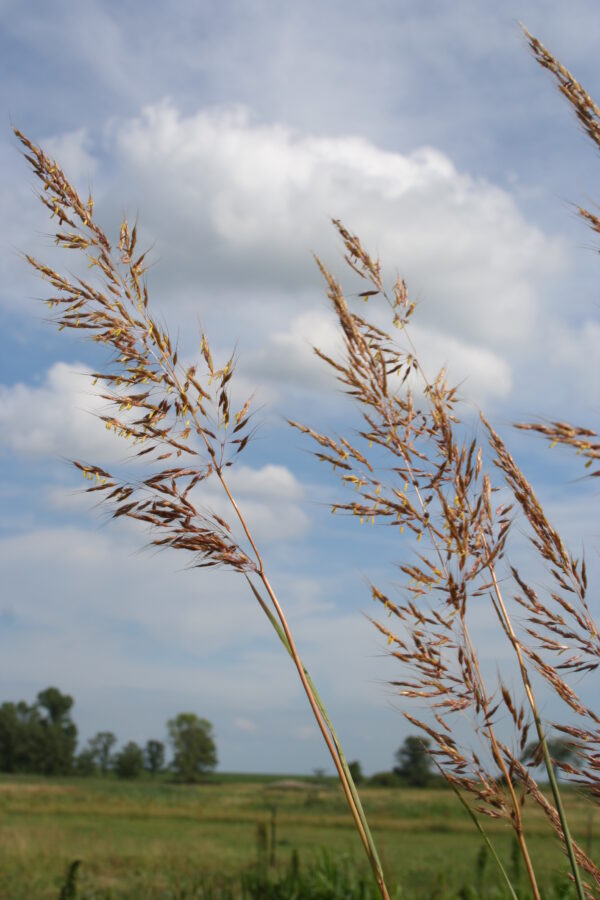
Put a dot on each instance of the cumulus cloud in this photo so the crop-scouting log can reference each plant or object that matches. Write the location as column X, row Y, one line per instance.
column 72, row 150
column 57, row 417
column 271, row 481
column 270, row 498
column 246, row 203
column 288, row 355
column 235, row 208
column 484, row 375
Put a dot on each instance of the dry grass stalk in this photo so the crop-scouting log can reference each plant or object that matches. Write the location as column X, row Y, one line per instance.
column 178, row 420
column 429, row 496
column 412, row 471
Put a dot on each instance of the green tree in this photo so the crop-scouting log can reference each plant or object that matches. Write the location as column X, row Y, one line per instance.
column 39, row 738
column 85, row 762
column 101, row 745
column 154, row 755
column 129, row 763
column 194, row 748
column 414, row 762
column 56, row 705
column 20, row 738
column 356, row 771
column 8, row 737
column 58, row 731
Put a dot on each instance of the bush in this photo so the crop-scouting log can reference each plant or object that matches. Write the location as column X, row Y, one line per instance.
column 385, row 779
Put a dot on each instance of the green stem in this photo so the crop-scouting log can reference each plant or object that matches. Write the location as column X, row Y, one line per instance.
column 559, row 806
column 373, row 855
column 486, row 839
column 508, row 628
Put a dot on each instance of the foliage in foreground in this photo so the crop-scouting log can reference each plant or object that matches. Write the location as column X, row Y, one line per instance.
column 325, row 878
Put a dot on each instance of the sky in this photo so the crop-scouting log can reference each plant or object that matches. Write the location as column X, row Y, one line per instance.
column 234, row 132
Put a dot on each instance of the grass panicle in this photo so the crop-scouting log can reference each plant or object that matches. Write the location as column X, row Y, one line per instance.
column 177, row 417
column 412, row 468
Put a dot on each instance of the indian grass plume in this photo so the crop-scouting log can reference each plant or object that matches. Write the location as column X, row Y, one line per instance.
column 583, row 439
column 411, row 469
column 569, row 623
column 178, row 419
column 428, row 496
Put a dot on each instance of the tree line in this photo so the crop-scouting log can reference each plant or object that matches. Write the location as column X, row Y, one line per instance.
column 415, row 767
column 41, row 738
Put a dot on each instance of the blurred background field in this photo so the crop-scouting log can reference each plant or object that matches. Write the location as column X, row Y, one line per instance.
column 254, row 836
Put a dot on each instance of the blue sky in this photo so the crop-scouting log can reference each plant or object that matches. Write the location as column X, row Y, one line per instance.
column 234, row 131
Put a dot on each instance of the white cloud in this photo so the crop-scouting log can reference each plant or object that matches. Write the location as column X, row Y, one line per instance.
column 579, row 362
column 247, row 203
column 247, row 726
column 56, row 420
column 80, row 575
column 484, row 374
column 72, row 152
column 236, row 207
column 270, row 499
column 288, row 355
column 270, row 481
column 57, row 417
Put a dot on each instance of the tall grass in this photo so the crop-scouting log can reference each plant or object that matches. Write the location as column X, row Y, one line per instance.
column 178, row 420
column 410, row 467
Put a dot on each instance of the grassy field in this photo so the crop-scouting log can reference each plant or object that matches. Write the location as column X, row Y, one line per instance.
column 157, row 839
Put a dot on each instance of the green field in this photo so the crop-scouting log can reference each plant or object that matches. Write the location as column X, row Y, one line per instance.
column 158, row 839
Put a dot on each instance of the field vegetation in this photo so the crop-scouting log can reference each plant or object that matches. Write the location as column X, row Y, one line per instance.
column 243, row 835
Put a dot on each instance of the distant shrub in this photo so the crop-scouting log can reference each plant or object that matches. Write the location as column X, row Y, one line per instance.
column 385, row 779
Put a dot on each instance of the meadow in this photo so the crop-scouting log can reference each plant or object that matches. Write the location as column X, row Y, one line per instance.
column 157, row 839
